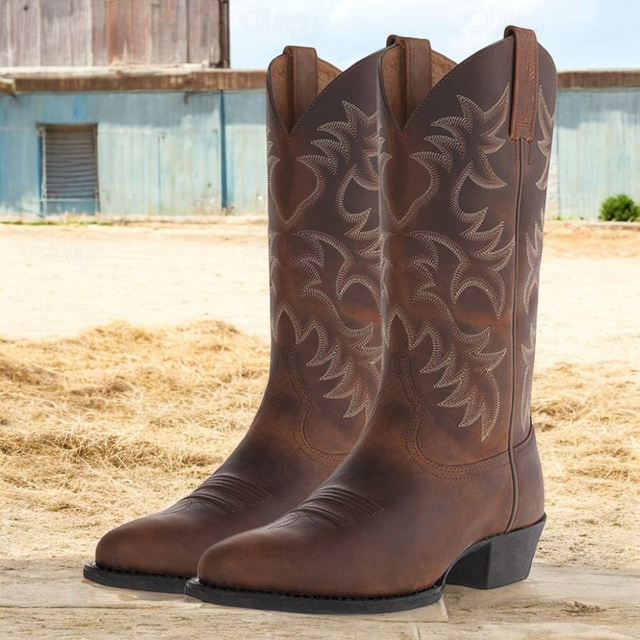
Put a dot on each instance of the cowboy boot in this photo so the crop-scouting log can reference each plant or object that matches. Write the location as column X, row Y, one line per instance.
column 325, row 320
column 445, row 483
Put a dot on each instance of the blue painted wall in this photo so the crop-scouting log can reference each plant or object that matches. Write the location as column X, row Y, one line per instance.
column 160, row 153
column 167, row 153
column 596, row 150
column 245, row 144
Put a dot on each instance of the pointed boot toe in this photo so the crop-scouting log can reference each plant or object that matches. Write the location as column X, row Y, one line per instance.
column 277, row 567
column 149, row 554
column 244, row 560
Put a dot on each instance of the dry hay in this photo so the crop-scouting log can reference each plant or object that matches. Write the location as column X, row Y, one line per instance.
column 589, row 437
column 115, row 423
column 121, row 421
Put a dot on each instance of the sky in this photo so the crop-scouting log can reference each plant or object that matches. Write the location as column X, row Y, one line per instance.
column 579, row 34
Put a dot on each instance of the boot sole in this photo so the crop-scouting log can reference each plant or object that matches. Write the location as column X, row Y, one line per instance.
column 132, row 580
column 488, row 564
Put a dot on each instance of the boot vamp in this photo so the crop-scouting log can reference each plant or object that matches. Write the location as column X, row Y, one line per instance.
column 387, row 522
column 354, row 538
column 271, row 471
column 172, row 541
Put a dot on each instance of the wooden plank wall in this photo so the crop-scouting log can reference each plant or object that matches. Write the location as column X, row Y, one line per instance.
column 203, row 18
column 97, row 32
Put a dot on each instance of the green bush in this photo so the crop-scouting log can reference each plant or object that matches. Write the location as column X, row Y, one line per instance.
column 620, row 208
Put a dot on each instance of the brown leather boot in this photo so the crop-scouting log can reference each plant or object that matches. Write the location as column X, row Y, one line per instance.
column 445, row 483
column 326, row 335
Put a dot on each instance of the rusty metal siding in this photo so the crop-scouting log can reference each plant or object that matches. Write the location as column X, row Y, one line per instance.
column 16, row 81
column 98, row 32
column 19, row 34
column 599, row 79
column 64, row 32
column 205, row 31
column 596, row 149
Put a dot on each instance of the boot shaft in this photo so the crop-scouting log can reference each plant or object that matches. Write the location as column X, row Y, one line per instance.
column 324, row 230
column 463, row 167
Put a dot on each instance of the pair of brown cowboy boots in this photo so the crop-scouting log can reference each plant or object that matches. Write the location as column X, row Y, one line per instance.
column 393, row 450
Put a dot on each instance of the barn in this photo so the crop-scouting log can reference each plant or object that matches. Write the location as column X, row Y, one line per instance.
column 126, row 109
column 596, row 152
column 130, row 109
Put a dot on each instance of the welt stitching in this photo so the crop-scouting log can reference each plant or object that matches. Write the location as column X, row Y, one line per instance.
column 125, row 572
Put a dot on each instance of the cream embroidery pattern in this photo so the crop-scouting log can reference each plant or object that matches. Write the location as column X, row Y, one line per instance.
column 545, row 119
column 533, row 244
column 352, row 358
column 534, row 254
column 461, row 359
column 528, row 352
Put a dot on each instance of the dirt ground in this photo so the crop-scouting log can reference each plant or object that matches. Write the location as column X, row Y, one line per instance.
column 120, row 389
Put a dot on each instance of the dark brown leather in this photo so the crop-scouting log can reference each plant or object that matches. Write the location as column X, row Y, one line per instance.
column 325, row 304
column 449, row 456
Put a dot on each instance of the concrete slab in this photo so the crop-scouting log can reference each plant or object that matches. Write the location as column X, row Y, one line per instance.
column 49, row 599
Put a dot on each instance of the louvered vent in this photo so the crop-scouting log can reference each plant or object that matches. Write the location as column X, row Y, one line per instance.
column 70, row 169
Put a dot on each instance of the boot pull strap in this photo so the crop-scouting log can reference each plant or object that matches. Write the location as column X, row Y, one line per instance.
column 303, row 65
column 524, row 105
column 418, row 70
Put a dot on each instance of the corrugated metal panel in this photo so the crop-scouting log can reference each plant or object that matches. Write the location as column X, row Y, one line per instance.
column 162, row 152
column 597, row 146
column 158, row 153
column 245, row 151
